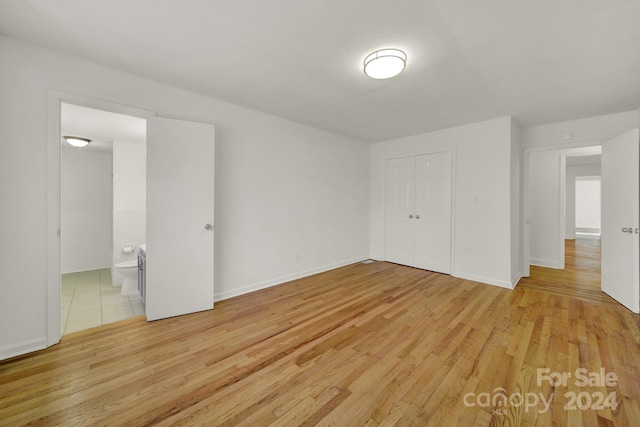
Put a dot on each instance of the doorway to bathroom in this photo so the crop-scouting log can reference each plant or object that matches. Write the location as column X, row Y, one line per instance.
column 102, row 216
column 180, row 163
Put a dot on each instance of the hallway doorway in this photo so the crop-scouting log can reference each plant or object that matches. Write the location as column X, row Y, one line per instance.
column 579, row 279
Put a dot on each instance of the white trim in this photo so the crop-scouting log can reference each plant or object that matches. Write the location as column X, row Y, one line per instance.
column 454, row 163
column 100, row 104
column 284, row 279
column 562, row 209
column 526, row 228
column 486, row 280
column 53, row 327
column 90, row 269
column 568, row 146
column 548, row 263
column 54, row 100
column 515, row 279
column 23, row 347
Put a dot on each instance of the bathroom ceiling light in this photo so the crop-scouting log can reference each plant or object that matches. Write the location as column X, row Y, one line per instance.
column 385, row 63
column 76, row 141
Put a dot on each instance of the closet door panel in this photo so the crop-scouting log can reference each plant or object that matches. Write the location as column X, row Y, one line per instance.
column 399, row 205
column 433, row 212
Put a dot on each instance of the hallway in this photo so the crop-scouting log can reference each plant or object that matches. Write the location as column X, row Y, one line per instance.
column 580, row 278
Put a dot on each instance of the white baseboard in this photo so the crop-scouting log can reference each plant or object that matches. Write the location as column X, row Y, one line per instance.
column 283, row 279
column 515, row 280
column 486, row 280
column 84, row 271
column 24, row 347
column 548, row 263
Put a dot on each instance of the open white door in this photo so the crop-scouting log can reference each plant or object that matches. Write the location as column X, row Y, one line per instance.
column 620, row 207
column 180, row 189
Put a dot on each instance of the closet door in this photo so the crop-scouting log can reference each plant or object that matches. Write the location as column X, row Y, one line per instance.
column 418, row 211
column 433, row 212
column 399, row 204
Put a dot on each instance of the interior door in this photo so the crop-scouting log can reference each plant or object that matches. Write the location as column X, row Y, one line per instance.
column 433, row 212
column 399, row 200
column 620, row 206
column 180, row 189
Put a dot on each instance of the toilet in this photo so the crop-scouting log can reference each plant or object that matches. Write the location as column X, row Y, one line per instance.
column 128, row 271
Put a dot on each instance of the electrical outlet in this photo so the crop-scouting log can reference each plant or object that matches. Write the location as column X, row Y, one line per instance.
column 296, row 257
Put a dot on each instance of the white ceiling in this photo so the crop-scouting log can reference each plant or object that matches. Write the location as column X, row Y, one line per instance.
column 541, row 61
column 101, row 127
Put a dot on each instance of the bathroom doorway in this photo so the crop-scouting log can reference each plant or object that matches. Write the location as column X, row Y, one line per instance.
column 179, row 211
column 102, row 215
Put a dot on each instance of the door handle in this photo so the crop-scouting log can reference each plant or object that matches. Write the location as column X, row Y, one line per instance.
column 627, row 230
column 208, row 227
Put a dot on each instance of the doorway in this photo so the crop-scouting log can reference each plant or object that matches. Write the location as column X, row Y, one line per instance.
column 102, row 215
column 564, row 258
column 582, row 221
column 180, row 211
column 579, row 279
column 55, row 100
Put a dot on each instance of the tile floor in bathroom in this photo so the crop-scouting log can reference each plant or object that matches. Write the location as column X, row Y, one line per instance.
column 89, row 299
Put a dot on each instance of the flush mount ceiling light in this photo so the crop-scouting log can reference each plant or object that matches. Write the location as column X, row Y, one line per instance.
column 385, row 63
column 76, row 141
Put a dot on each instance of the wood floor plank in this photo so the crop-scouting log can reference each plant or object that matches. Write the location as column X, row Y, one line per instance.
column 368, row 344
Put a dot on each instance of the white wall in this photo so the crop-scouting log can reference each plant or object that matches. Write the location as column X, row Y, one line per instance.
column 281, row 187
column 574, row 171
column 588, row 202
column 129, row 200
column 545, row 207
column 85, row 210
column 129, row 197
column 482, row 243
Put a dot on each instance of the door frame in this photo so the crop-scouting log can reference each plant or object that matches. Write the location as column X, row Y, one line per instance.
column 563, row 150
column 453, row 200
column 54, row 100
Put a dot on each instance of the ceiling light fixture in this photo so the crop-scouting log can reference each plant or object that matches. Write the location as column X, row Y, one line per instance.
column 76, row 141
column 385, row 63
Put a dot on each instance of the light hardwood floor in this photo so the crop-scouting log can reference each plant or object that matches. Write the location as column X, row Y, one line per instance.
column 580, row 277
column 376, row 344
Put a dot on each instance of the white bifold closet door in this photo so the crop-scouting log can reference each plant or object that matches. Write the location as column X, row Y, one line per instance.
column 620, row 219
column 180, row 190
column 418, row 211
